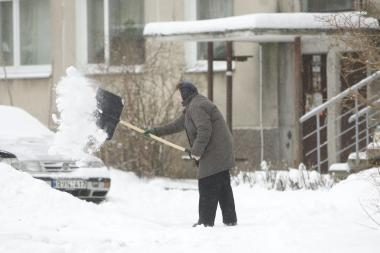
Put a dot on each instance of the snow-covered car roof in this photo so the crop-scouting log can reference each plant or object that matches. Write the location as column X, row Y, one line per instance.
column 30, row 142
column 26, row 137
column 17, row 123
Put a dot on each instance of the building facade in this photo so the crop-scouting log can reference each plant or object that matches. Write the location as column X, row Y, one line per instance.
column 41, row 38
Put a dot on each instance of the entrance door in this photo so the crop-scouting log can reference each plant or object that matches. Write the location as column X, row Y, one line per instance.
column 314, row 93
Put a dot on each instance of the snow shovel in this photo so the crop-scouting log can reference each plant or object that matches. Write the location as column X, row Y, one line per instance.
column 110, row 107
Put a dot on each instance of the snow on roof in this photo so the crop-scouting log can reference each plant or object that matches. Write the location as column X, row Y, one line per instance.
column 256, row 24
column 18, row 123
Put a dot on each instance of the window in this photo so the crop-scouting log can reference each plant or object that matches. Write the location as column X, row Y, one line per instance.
column 25, row 32
column 328, row 5
column 115, row 32
column 6, row 33
column 209, row 9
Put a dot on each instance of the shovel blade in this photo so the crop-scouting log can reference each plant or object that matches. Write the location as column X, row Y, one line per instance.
column 110, row 107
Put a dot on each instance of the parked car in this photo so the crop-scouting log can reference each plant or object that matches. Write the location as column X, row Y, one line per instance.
column 25, row 143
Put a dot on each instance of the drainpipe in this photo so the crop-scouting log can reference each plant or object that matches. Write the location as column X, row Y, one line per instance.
column 229, row 85
column 261, row 104
column 210, row 71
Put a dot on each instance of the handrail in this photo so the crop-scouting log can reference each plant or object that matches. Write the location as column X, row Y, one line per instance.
column 354, row 116
column 314, row 131
column 341, row 95
column 362, row 112
column 351, row 128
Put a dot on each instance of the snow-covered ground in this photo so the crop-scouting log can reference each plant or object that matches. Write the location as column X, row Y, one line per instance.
column 156, row 216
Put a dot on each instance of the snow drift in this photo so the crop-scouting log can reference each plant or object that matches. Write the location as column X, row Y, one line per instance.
column 156, row 216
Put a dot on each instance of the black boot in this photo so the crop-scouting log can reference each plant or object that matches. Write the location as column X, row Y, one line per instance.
column 230, row 224
column 196, row 224
column 199, row 223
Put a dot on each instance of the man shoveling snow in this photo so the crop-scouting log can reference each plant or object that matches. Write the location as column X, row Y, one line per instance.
column 212, row 148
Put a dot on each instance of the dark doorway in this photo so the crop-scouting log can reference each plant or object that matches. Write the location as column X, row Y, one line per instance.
column 314, row 87
column 352, row 72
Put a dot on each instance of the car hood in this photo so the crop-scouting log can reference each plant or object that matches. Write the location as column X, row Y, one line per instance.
column 33, row 149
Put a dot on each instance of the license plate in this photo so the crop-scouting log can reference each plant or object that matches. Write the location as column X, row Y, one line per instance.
column 70, row 184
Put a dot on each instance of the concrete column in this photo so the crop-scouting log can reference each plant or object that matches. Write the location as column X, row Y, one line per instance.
column 270, row 78
column 333, row 88
column 286, row 96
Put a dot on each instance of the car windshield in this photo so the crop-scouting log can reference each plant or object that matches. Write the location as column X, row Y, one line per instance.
column 17, row 123
column 5, row 154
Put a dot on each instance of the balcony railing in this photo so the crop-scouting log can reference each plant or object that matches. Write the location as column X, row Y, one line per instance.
column 363, row 117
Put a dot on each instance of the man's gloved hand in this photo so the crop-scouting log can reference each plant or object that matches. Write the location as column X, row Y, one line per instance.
column 148, row 132
column 196, row 158
column 188, row 152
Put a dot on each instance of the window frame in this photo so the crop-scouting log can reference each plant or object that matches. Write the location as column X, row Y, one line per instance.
column 193, row 64
column 305, row 7
column 16, row 70
column 82, row 44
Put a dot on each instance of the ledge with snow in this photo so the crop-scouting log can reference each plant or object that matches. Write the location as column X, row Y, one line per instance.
column 263, row 27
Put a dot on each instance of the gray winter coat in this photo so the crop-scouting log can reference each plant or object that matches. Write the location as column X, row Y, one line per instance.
column 208, row 134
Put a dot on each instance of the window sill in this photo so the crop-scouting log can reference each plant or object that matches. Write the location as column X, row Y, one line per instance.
column 101, row 69
column 202, row 67
column 26, row 72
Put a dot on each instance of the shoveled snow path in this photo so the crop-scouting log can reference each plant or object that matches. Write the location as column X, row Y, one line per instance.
column 156, row 216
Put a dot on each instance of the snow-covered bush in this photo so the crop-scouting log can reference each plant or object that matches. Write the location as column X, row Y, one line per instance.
column 284, row 179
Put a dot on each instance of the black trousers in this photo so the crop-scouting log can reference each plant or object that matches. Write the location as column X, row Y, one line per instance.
column 213, row 190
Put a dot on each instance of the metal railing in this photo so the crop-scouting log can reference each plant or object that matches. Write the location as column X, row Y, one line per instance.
column 365, row 119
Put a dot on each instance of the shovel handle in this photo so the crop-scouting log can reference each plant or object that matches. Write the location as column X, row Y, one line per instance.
column 137, row 129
